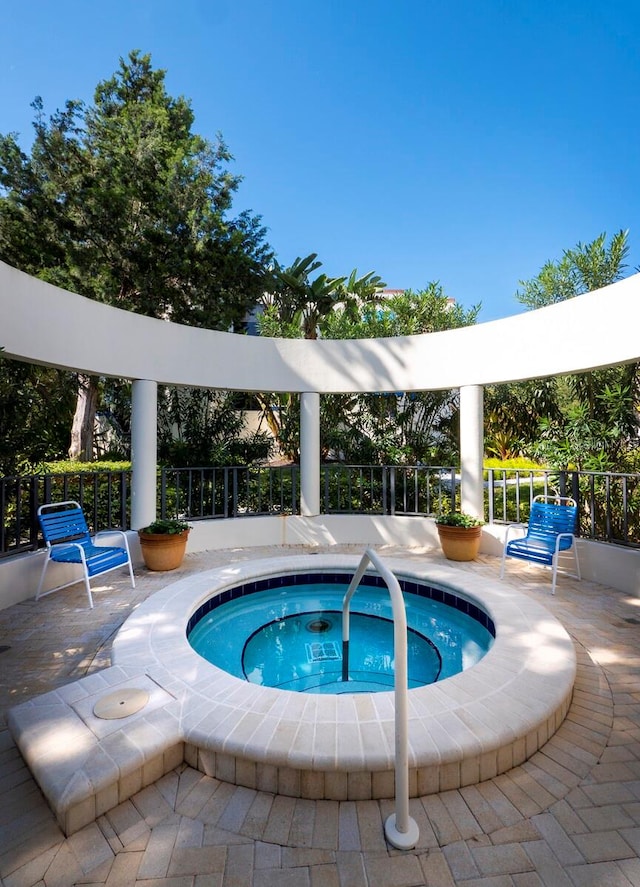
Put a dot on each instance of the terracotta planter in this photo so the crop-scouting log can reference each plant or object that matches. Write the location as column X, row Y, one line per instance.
column 460, row 543
column 163, row 552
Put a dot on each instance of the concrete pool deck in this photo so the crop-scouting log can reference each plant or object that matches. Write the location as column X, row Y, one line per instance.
column 568, row 816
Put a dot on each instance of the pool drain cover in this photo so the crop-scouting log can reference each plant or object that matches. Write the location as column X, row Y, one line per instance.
column 320, row 652
column 121, row 703
column 318, row 626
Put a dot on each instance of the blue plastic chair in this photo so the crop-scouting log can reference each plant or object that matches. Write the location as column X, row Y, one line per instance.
column 550, row 533
column 68, row 541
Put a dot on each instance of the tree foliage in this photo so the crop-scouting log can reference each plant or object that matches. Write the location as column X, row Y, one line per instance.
column 584, row 268
column 121, row 202
column 377, row 428
column 299, row 306
column 296, row 307
column 589, row 420
column 597, row 429
column 406, row 313
column 36, row 406
column 512, row 414
column 198, row 428
column 395, row 427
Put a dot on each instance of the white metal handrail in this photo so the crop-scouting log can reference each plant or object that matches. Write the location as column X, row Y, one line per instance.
column 400, row 829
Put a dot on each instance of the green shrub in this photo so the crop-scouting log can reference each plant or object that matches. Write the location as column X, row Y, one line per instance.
column 459, row 519
column 512, row 464
column 166, row 527
column 67, row 466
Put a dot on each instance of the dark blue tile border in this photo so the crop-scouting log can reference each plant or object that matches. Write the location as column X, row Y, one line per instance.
column 410, row 586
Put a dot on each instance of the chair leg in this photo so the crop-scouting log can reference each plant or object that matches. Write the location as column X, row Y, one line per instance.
column 88, row 588
column 575, row 556
column 44, row 570
column 554, row 573
column 85, row 571
column 133, row 579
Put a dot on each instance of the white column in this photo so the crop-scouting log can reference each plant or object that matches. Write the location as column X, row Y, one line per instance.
column 144, row 452
column 471, row 449
column 309, row 453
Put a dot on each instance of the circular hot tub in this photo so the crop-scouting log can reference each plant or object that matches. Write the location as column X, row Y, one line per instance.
column 287, row 632
column 462, row 729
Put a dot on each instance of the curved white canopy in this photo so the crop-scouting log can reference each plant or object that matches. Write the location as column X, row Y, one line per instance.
column 43, row 324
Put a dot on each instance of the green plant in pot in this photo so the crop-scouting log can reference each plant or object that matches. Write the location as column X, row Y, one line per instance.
column 163, row 543
column 460, row 535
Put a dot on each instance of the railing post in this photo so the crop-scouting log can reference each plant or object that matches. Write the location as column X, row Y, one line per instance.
column 490, row 491
column 125, row 521
column 385, row 491
column 3, row 511
column 163, row 493
column 225, row 492
column 234, row 494
column 562, row 482
column 575, row 493
column 295, row 508
column 392, row 490
column 33, row 506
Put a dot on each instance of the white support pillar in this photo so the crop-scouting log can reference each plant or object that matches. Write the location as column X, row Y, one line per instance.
column 471, row 449
column 144, row 452
column 309, row 453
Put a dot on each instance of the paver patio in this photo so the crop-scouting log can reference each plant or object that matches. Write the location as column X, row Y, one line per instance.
column 569, row 816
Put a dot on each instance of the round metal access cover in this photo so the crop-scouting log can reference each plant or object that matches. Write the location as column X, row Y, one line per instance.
column 121, row 703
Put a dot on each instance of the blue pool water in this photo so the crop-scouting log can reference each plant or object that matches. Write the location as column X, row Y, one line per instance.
column 291, row 637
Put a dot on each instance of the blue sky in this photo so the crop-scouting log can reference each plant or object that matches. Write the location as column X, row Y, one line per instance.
column 464, row 141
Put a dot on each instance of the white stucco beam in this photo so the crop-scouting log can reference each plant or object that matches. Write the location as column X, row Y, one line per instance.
column 42, row 324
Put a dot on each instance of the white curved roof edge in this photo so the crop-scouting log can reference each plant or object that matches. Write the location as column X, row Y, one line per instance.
column 41, row 323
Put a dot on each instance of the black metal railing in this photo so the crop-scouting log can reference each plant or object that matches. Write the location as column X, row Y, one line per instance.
column 229, row 491
column 387, row 489
column 608, row 503
column 104, row 496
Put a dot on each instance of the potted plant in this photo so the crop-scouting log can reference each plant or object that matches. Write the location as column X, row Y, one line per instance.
column 163, row 543
column 460, row 535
